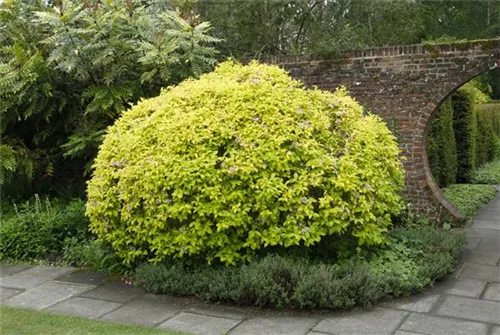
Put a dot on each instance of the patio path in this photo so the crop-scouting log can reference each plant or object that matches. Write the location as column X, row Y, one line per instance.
column 468, row 303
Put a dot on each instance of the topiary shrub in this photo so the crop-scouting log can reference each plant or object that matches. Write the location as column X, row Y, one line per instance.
column 240, row 159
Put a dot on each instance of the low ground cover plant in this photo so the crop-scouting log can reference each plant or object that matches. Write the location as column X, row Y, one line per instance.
column 245, row 158
column 415, row 258
column 488, row 174
column 50, row 230
column 469, row 198
column 41, row 229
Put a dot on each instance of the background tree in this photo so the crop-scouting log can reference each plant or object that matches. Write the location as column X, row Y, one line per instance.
column 67, row 71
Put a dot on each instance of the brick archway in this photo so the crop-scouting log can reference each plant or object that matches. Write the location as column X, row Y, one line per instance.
column 404, row 85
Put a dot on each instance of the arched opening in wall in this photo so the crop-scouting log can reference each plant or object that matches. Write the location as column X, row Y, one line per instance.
column 463, row 145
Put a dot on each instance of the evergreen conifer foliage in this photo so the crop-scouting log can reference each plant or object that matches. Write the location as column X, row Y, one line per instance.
column 68, row 70
column 441, row 146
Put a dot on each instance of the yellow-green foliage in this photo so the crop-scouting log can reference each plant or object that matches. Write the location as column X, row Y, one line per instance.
column 491, row 112
column 476, row 95
column 242, row 158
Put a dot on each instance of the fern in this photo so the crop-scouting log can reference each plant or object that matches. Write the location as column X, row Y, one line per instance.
column 8, row 159
column 67, row 71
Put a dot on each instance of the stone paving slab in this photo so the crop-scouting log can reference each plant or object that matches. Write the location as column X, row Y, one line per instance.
column 379, row 321
column 11, row 269
column 33, row 277
column 471, row 309
column 492, row 292
column 488, row 215
column 114, row 292
column 220, row 311
column 404, row 332
column 6, row 292
column 199, row 324
column 419, row 304
column 466, row 287
column 46, row 295
column 84, row 307
column 486, row 224
column 481, row 272
column 485, row 233
column 275, row 326
column 495, row 331
column 83, row 277
column 146, row 311
column 481, row 257
column 431, row 325
column 471, row 242
column 489, row 244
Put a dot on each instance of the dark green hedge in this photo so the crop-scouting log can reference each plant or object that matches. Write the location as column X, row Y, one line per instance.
column 441, row 146
column 485, row 148
column 462, row 137
column 465, row 126
column 492, row 112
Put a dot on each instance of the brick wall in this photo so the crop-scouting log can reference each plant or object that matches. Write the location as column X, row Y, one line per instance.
column 404, row 85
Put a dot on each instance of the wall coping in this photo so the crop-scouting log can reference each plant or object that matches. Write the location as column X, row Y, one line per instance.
column 432, row 49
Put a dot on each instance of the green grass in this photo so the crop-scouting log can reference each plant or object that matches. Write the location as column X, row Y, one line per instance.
column 469, row 198
column 15, row 321
column 487, row 174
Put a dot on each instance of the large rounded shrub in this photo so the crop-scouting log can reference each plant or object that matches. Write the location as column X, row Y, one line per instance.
column 240, row 159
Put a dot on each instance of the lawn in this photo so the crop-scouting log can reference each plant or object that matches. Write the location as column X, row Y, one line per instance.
column 15, row 321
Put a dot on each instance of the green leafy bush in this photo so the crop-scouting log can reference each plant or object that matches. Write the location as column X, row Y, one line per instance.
column 469, row 198
column 488, row 174
column 39, row 230
column 241, row 159
column 92, row 254
column 67, row 71
column 414, row 259
column 441, row 146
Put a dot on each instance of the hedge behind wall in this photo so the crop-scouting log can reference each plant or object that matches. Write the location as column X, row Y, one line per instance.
column 485, row 141
column 441, row 146
column 462, row 137
column 465, row 126
column 491, row 111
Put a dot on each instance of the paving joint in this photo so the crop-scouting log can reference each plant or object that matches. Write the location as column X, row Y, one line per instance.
column 403, row 321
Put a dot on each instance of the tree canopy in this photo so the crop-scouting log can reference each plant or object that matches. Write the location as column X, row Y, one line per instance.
column 69, row 68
